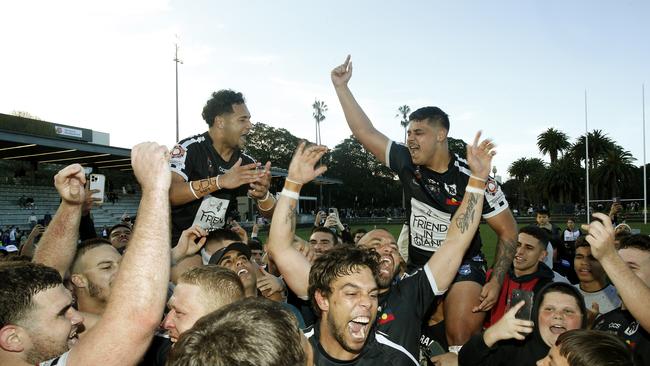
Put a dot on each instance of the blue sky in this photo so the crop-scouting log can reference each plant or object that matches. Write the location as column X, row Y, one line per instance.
column 510, row 68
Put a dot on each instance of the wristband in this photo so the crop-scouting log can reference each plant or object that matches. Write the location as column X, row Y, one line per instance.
column 471, row 189
column 477, row 178
column 218, row 186
column 264, row 200
column 290, row 194
column 455, row 349
column 192, row 190
column 292, row 181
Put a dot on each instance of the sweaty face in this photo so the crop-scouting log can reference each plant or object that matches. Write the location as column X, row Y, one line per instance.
column 385, row 245
column 100, row 266
column 587, row 267
column 321, row 243
column 558, row 313
column 185, row 308
column 554, row 358
column 237, row 125
column 120, row 237
column 352, row 309
column 529, row 253
column 51, row 325
column 421, row 141
column 238, row 263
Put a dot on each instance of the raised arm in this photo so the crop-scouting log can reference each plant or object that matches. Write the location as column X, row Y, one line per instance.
column 292, row 264
column 182, row 191
column 58, row 245
column 137, row 299
column 632, row 290
column 445, row 262
column 359, row 123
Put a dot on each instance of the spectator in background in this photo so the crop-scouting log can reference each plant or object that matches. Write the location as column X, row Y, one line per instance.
column 32, row 220
column 257, row 251
column 119, row 235
column 543, row 220
column 29, row 203
column 322, row 240
column 22, row 201
column 567, row 250
column 599, row 295
column 358, row 234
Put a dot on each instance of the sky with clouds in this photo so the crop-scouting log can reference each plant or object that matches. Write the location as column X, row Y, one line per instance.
column 511, row 68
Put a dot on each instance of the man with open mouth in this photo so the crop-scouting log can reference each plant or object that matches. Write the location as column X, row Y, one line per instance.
column 345, row 284
column 210, row 170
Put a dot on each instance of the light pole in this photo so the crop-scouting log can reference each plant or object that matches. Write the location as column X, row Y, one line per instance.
column 176, row 62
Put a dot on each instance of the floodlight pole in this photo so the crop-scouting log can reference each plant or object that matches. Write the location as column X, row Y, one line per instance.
column 587, row 156
column 176, row 62
column 645, row 180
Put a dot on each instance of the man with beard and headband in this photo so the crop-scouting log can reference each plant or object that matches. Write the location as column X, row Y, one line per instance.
column 42, row 324
column 434, row 181
column 210, row 170
column 92, row 273
column 403, row 303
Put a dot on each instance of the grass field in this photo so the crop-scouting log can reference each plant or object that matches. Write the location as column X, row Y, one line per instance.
column 487, row 235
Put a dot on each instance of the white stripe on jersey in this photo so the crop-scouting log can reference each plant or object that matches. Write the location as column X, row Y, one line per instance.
column 385, row 341
column 387, row 152
column 463, row 168
column 310, row 333
column 432, row 281
column 180, row 162
column 248, row 156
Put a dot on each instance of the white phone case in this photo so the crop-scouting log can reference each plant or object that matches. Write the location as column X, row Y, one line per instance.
column 97, row 181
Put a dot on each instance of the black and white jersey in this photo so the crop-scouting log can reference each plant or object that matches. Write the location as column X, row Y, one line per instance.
column 623, row 324
column 377, row 351
column 59, row 361
column 434, row 198
column 194, row 158
column 402, row 309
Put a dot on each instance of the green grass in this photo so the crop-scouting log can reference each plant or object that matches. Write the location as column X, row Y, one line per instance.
column 488, row 236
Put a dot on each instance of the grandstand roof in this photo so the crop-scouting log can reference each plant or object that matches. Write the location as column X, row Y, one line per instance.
column 43, row 142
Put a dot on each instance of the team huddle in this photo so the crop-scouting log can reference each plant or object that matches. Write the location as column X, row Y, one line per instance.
column 190, row 287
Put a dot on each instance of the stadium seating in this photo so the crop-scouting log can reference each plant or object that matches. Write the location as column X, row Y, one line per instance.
column 47, row 200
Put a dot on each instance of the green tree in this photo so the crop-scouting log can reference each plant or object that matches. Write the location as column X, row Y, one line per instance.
column 527, row 172
column 552, row 142
column 363, row 176
column 404, row 115
column 599, row 145
column 267, row 143
column 563, row 180
column 614, row 171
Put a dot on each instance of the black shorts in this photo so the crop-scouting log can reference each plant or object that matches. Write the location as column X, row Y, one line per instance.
column 472, row 269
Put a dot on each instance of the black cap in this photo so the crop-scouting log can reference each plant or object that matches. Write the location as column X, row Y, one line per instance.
column 238, row 246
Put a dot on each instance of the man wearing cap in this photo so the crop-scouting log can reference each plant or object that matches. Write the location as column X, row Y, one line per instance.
column 236, row 257
column 210, row 170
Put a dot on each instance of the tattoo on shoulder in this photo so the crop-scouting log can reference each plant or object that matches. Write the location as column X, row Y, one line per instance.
column 465, row 220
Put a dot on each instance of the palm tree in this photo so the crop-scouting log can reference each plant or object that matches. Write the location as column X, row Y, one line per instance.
column 319, row 115
column 563, row 179
column 526, row 171
column 599, row 145
column 552, row 142
column 615, row 170
column 404, row 114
